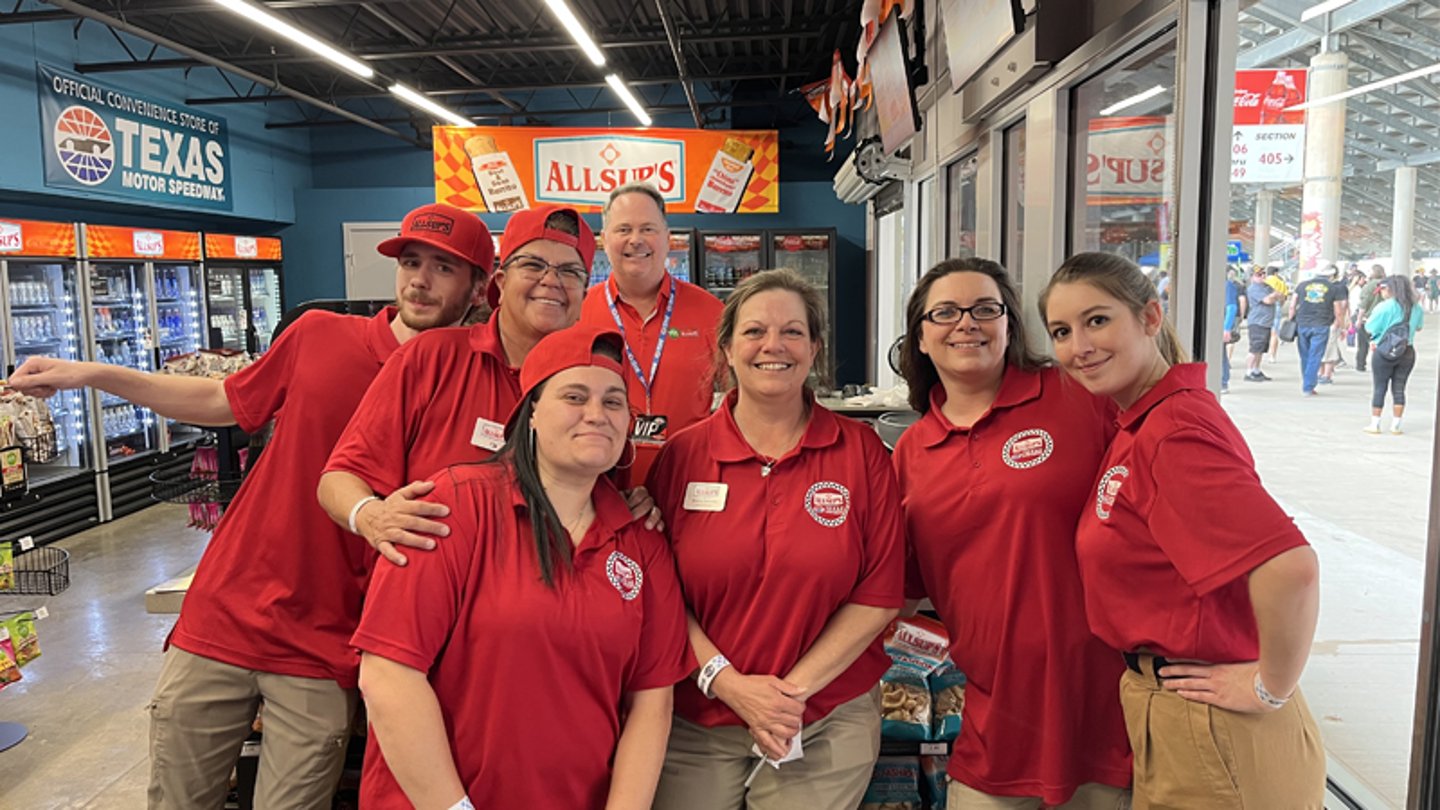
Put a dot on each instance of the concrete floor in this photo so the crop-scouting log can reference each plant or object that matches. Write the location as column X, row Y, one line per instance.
column 84, row 698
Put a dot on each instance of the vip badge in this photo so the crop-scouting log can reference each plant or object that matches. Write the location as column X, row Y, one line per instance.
column 625, row 574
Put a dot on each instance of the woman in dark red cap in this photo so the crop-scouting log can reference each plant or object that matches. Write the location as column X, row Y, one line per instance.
column 548, row 627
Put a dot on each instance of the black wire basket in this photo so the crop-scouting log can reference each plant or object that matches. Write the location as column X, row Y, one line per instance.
column 40, row 572
column 188, row 487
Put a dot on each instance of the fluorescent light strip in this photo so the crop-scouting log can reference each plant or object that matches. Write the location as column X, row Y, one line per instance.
column 1322, row 8
column 1133, row 100
column 626, row 96
column 1365, row 88
column 267, row 20
column 425, row 103
column 577, row 30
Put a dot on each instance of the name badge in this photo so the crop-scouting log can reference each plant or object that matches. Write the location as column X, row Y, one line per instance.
column 649, row 428
column 702, row 497
column 488, row 435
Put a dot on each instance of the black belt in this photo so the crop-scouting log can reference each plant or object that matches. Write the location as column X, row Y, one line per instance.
column 1132, row 660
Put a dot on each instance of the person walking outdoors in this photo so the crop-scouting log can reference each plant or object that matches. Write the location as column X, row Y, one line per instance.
column 1318, row 305
column 1392, row 327
column 1369, row 298
column 1259, row 322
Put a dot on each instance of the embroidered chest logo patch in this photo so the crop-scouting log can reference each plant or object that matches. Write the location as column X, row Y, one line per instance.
column 1109, row 490
column 1028, row 448
column 625, row 574
column 828, row 502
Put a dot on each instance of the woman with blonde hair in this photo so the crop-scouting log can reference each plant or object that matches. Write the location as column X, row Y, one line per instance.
column 1190, row 569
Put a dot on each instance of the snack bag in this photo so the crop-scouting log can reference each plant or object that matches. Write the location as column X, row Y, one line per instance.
column 932, row 769
column 916, row 647
column 9, row 670
column 7, row 567
column 947, row 688
column 23, row 637
column 894, row 785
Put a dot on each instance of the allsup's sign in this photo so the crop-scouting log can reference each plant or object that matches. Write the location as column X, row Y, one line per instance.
column 504, row 169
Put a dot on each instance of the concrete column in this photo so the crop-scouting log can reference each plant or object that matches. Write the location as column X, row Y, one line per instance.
column 1402, row 228
column 1264, row 218
column 1324, row 163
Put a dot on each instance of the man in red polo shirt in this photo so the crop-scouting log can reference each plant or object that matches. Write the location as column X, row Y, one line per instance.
column 277, row 593
column 444, row 398
column 668, row 324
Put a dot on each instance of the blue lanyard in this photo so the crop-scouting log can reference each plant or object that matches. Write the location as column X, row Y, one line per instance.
column 645, row 381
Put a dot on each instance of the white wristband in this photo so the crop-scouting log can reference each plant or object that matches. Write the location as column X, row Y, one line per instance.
column 1265, row 696
column 355, row 512
column 463, row 804
column 708, row 672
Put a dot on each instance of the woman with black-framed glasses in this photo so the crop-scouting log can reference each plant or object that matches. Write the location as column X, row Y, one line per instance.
column 993, row 479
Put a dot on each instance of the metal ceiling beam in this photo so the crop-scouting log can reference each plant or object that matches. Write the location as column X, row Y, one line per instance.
column 1422, row 159
column 673, row 38
column 1298, row 39
column 30, row 17
column 415, row 39
column 185, row 50
column 705, row 107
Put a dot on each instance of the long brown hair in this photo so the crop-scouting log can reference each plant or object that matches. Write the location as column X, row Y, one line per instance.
column 918, row 369
column 1121, row 279
column 765, row 281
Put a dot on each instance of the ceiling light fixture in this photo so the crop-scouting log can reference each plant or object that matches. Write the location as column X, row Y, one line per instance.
column 1322, row 8
column 626, row 96
column 427, row 104
column 267, row 20
column 577, row 30
column 1365, row 88
column 1133, row 100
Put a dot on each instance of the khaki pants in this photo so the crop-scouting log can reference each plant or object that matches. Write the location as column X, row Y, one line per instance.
column 202, row 712
column 1091, row 796
column 705, row 768
column 1193, row 755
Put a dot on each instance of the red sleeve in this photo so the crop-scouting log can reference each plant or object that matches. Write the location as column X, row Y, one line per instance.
column 257, row 392
column 1211, row 515
column 377, row 440
column 410, row 611
column 665, row 657
column 881, row 582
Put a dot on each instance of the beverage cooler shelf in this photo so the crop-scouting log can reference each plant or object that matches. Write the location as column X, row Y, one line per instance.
column 43, row 344
column 116, row 302
column 39, row 307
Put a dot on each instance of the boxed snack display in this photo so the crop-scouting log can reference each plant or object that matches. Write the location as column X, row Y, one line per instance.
column 894, row 785
column 916, row 647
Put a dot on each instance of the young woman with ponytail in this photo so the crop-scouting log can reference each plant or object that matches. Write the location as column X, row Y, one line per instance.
column 1190, row 569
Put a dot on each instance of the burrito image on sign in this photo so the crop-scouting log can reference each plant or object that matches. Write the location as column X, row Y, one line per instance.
column 495, row 175
column 725, row 183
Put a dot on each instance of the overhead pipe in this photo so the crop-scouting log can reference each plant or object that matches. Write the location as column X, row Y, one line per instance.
column 685, row 82
column 185, row 50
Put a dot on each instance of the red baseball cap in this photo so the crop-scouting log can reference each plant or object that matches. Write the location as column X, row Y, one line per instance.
column 567, row 348
column 455, row 231
column 527, row 225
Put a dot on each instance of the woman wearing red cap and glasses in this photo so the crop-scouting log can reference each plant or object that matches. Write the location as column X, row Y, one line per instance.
column 548, row 627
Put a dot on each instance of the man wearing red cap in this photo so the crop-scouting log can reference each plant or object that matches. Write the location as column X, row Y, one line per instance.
column 278, row 591
column 444, row 398
column 668, row 324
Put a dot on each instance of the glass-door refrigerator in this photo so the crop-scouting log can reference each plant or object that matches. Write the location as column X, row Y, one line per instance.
column 244, row 294
column 679, row 261
column 42, row 316
column 729, row 257
column 811, row 253
column 178, row 325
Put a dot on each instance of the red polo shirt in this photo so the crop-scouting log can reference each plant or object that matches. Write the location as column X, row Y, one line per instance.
column 765, row 574
column 526, row 674
column 1176, row 522
column 990, row 514
column 422, row 413
column 279, row 587
column 683, row 388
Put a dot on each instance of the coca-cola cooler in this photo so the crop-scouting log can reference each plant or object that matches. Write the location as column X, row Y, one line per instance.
column 243, row 291
column 143, row 306
column 679, row 261
column 729, row 257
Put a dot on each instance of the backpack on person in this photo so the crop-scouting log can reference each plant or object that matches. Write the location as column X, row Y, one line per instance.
column 1396, row 339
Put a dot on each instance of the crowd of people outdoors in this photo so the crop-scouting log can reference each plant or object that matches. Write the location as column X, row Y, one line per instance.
column 1336, row 320
column 559, row 572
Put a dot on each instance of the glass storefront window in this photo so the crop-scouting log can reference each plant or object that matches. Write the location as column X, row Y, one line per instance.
column 1122, row 187
column 960, row 207
column 1013, row 247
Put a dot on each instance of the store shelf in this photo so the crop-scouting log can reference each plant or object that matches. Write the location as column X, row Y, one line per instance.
column 118, row 302
column 39, row 344
column 46, row 306
column 117, row 336
column 912, row 748
column 126, row 434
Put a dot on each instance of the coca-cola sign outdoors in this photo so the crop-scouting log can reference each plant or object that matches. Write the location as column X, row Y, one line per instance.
column 1268, row 143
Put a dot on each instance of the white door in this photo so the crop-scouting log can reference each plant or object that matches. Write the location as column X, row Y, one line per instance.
column 368, row 275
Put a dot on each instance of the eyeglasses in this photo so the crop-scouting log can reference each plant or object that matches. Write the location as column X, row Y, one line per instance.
column 949, row 314
column 533, row 268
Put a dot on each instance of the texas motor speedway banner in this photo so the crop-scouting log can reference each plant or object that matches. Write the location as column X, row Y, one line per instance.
column 110, row 141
